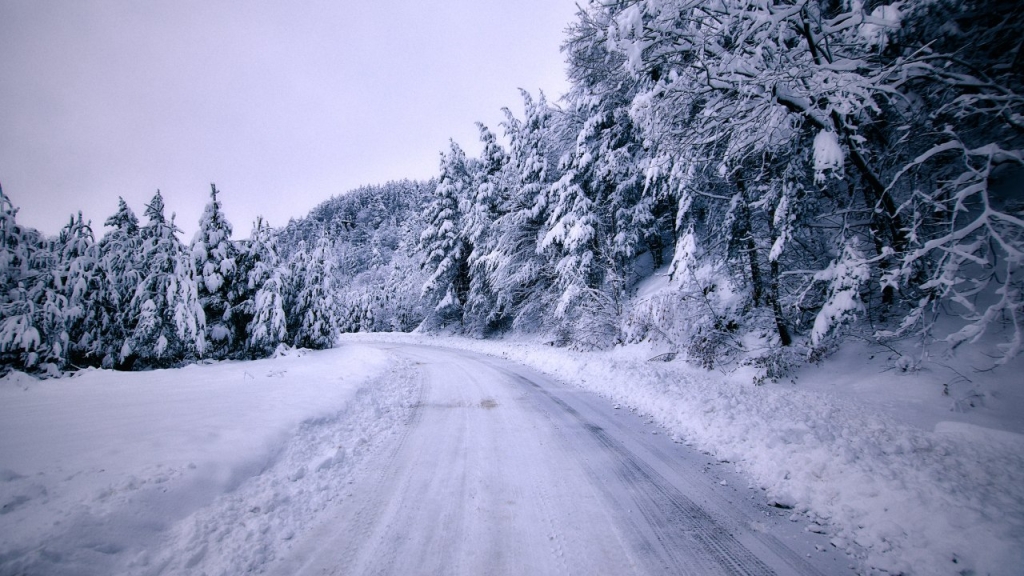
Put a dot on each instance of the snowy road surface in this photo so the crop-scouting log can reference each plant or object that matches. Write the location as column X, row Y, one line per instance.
column 500, row 470
column 371, row 458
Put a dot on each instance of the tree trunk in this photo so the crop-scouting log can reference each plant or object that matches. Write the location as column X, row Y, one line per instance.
column 746, row 237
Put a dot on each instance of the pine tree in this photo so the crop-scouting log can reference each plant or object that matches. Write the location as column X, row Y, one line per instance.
column 82, row 279
column 266, row 281
column 443, row 242
column 520, row 275
column 169, row 323
column 313, row 315
column 33, row 332
column 483, row 208
column 214, row 256
column 599, row 212
column 120, row 262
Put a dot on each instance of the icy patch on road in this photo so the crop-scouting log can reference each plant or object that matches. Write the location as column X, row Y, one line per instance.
column 943, row 499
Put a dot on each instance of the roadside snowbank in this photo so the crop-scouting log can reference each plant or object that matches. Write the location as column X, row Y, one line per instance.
column 99, row 469
column 941, row 499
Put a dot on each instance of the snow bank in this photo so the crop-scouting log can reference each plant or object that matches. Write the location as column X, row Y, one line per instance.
column 944, row 499
column 98, row 469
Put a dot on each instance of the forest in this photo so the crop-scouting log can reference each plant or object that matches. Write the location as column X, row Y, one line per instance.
column 801, row 172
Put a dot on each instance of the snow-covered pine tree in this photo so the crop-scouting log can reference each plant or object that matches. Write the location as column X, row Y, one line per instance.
column 33, row 333
column 297, row 263
column 83, row 282
column 18, row 337
column 610, row 156
column 120, row 266
column 266, row 281
column 313, row 315
column 601, row 213
column 14, row 255
column 167, row 321
column 443, row 242
column 521, row 276
column 571, row 240
column 846, row 278
column 214, row 257
column 483, row 208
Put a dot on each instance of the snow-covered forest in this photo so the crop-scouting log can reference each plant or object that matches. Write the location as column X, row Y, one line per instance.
column 140, row 298
column 802, row 171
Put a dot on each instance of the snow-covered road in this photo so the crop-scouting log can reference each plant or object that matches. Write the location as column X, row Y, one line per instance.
column 388, row 454
column 372, row 458
column 500, row 470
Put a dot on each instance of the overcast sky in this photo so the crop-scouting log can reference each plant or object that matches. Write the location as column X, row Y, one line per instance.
column 281, row 103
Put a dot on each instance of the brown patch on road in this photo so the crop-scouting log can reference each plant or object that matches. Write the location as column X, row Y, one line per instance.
column 488, row 403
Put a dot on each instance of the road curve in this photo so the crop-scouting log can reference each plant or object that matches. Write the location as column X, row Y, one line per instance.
column 503, row 471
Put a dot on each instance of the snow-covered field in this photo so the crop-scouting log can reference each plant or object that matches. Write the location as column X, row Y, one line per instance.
column 214, row 466
column 901, row 476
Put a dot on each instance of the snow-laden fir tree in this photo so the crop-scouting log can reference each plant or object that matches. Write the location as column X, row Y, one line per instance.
column 214, row 257
column 846, row 277
column 83, row 281
column 18, row 337
column 520, row 275
column 264, row 306
column 601, row 212
column 33, row 333
column 483, row 206
column 571, row 241
column 167, row 321
column 313, row 314
column 443, row 241
column 120, row 266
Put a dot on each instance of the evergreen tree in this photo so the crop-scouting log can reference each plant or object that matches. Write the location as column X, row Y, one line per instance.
column 120, row 262
column 168, row 323
column 520, row 275
column 82, row 279
column 33, row 332
column 313, row 315
column 484, row 204
column 443, row 241
column 220, row 288
column 266, row 282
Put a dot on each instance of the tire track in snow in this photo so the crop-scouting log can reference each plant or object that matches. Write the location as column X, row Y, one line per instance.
column 683, row 537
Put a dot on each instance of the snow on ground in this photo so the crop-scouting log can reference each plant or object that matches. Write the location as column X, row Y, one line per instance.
column 213, row 465
column 866, row 447
column 912, row 465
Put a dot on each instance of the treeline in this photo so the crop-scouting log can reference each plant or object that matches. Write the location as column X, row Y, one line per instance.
column 139, row 298
column 797, row 169
column 811, row 163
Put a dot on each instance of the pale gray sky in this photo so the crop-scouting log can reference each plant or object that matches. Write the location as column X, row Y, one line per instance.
column 281, row 103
